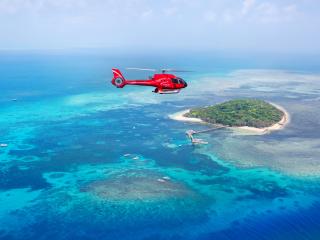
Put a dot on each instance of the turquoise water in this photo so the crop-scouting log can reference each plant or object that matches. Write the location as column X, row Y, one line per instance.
column 88, row 161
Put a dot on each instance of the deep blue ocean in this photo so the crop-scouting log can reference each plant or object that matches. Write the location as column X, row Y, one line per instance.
column 81, row 159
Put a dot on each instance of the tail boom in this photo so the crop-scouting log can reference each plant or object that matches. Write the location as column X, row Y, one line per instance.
column 119, row 81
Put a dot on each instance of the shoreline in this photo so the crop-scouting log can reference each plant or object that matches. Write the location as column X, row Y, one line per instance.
column 179, row 116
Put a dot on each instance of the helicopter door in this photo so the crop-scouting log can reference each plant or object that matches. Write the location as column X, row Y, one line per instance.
column 175, row 81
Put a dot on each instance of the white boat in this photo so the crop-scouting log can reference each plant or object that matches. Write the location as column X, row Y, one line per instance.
column 161, row 180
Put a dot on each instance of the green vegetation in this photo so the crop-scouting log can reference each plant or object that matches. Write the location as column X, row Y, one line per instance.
column 241, row 112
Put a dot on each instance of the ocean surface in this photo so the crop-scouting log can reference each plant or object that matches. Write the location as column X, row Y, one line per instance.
column 85, row 160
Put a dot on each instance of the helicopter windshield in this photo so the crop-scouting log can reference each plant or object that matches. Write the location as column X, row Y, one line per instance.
column 178, row 80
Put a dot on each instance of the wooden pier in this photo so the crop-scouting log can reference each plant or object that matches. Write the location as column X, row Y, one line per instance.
column 191, row 133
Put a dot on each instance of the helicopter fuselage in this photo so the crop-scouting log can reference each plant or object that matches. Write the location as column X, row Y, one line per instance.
column 163, row 83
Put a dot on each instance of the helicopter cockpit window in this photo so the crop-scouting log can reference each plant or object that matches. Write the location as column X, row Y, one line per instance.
column 180, row 80
column 174, row 80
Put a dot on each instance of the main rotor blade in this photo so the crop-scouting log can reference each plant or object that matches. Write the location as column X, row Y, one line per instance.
column 142, row 69
column 175, row 70
column 158, row 70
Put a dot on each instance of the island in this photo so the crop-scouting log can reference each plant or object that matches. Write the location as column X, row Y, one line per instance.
column 253, row 115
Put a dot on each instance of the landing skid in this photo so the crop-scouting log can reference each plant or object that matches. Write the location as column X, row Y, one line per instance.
column 166, row 91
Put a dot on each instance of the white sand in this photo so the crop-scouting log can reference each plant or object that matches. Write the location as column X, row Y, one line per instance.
column 179, row 116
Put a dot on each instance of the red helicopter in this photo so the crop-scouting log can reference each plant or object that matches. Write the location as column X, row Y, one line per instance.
column 164, row 83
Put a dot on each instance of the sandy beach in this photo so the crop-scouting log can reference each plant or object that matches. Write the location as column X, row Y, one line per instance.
column 179, row 116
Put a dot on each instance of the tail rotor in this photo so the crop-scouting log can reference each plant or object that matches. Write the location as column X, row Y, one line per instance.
column 118, row 80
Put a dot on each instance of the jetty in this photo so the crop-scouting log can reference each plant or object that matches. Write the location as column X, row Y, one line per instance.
column 191, row 133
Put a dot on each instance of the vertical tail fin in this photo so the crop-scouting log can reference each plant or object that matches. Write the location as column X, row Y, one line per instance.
column 118, row 80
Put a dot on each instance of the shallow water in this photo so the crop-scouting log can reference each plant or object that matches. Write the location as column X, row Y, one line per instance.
column 87, row 161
